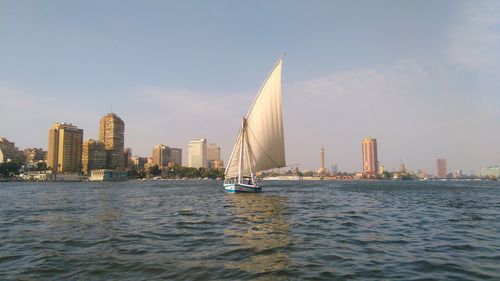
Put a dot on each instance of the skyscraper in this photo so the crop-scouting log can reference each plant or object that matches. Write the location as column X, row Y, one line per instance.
column 197, row 153
column 161, row 155
column 65, row 148
column 112, row 133
column 93, row 156
column 370, row 159
column 441, row 168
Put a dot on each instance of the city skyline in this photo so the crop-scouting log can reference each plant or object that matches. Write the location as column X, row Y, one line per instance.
column 429, row 89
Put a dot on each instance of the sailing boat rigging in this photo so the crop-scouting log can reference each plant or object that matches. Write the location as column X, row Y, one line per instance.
column 260, row 143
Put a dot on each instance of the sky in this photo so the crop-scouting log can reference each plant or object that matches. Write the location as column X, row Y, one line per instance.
column 422, row 77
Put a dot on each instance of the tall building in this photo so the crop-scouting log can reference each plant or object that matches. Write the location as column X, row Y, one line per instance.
column 112, row 134
column 93, row 156
column 370, row 159
column 9, row 152
column 322, row 160
column 176, row 155
column 441, row 168
column 65, row 148
column 161, row 155
column 197, row 153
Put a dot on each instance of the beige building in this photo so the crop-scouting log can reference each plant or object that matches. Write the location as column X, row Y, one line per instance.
column 9, row 152
column 216, row 164
column 93, row 156
column 197, row 153
column 370, row 158
column 112, row 134
column 161, row 155
column 34, row 155
column 65, row 148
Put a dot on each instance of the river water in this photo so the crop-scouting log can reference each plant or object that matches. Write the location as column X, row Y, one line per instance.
column 295, row 230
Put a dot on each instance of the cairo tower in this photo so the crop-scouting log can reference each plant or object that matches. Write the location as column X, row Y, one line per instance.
column 112, row 133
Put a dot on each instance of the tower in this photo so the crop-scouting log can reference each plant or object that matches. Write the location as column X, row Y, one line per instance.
column 322, row 160
column 112, row 134
column 370, row 159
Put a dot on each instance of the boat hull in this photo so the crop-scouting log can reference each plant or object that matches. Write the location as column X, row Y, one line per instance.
column 241, row 188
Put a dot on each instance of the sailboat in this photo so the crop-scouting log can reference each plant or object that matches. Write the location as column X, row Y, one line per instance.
column 260, row 143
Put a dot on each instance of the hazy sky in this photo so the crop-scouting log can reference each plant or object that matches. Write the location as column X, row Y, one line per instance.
column 423, row 77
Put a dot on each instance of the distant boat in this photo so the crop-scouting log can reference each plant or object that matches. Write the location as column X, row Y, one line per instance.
column 260, row 144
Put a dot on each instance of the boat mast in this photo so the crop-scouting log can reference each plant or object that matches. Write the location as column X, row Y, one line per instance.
column 248, row 152
column 240, row 167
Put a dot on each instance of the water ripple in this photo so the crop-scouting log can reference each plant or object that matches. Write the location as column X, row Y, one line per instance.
column 187, row 230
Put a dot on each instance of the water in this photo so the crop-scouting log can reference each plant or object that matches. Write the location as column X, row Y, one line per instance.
column 187, row 230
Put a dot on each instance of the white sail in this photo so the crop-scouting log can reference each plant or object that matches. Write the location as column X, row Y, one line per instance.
column 260, row 144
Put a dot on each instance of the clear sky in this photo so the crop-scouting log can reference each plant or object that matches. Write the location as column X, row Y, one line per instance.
column 423, row 77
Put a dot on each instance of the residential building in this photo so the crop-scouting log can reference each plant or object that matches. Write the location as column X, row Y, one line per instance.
column 197, row 153
column 112, row 134
column 34, row 155
column 370, row 158
column 9, row 152
column 93, row 156
column 64, row 153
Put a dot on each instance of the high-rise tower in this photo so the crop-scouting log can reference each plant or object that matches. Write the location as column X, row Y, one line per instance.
column 197, row 153
column 112, row 134
column 65, row 148
column 370, row 159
